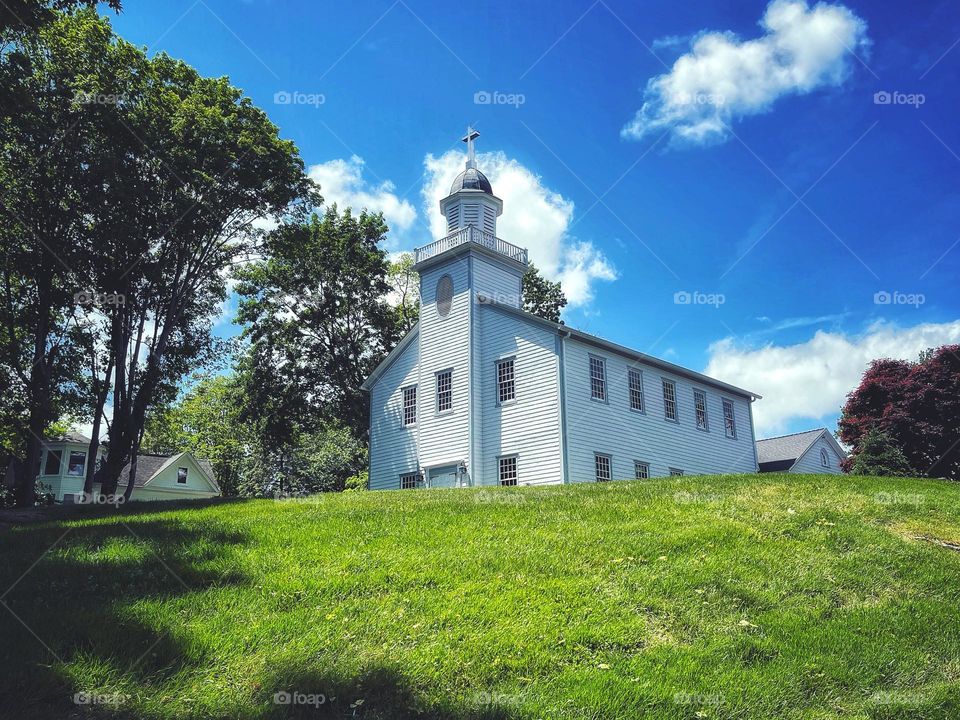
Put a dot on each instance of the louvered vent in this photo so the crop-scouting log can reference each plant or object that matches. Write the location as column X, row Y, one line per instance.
column 489, row 219
column 471, row 214
column 453, row 218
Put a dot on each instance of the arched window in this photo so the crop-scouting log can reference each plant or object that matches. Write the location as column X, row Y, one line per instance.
column 824, row 458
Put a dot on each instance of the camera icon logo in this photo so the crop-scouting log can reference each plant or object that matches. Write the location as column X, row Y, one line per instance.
column 682, row 297
column 882, row 298
column 281, row 698
column 882, row 98
column 282, row 97
column 482, row 97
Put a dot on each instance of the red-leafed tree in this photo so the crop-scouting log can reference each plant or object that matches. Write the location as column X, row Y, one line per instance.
column 916, row 405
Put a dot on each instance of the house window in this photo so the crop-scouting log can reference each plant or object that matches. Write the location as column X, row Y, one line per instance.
column 508, row 470
column 408, row 481
column 635, row 383
column 670, row 400
column 53, row 462
column 506, row 388
column 598, row 378
column 410, row 405
column 641, row 470
column 444, row 390
column 824, row 458
column 182, row 475
column 77, row 461
column 602, row 467
column 676, row 472
column 700, row 408
column 444, row 295
column 729, row 423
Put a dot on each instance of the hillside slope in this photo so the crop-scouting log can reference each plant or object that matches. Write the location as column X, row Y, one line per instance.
column 737, row 597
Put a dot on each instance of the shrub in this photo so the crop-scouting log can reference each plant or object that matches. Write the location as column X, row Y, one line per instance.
column 359, row 481
column 879, row 455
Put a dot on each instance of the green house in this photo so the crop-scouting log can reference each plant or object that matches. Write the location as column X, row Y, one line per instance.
column 181, row 476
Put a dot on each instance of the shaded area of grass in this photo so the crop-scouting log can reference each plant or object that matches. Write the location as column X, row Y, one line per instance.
column 735, row 597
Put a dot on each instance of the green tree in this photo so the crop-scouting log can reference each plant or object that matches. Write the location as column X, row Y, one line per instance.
column 541, row 296
column 404, row 291
column 879, row 455
column 318, row 321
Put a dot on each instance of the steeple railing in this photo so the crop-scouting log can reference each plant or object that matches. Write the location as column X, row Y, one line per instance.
column 471, row 234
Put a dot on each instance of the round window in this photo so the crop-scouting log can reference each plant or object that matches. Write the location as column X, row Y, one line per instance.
column 444, row 295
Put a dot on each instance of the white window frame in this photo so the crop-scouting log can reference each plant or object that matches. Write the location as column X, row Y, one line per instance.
column 602, row 380
column 437, row 391
column 509, row 460
column 729, row 421
column 667, row 382
column 824, row 458
column 186, row 474
column 83, row 464
column 415, row 476
column 702, row 394
column 511, row 382
column 638, row 390
column 597, row 463
column 405, row 406
column 637, row 465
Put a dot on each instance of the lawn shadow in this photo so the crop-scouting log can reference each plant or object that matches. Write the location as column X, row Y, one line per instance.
column 72, row 596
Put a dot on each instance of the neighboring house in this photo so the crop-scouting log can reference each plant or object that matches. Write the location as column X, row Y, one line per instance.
column 63, row 464
column 482, row 393
column 813, row 451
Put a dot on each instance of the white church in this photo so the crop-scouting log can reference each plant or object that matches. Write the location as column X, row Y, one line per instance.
column 481, row 392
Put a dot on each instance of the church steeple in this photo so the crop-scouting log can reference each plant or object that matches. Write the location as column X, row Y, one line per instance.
column 471, row 200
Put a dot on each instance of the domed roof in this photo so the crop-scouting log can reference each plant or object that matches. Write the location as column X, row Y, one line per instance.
column 471, row 179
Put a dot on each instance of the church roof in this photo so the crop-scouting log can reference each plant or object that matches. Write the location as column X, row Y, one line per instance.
column 786, row 447
column 471, row 179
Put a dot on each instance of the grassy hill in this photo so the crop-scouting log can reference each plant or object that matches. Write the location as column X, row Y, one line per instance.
column 769, row 596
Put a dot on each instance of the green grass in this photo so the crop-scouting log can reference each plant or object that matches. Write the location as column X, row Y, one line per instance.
column 768, row 596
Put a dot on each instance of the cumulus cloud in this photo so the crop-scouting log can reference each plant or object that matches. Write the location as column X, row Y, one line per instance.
column 723, row 77
column 342, row 182
column 810, row 380
column 534, row 216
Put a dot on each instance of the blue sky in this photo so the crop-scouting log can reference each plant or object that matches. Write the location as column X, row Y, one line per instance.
column 779, row 182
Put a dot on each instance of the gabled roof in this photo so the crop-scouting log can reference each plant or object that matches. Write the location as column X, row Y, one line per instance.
column 566, row 331
column 391, row 357
column 782, row 452
column 149, row 466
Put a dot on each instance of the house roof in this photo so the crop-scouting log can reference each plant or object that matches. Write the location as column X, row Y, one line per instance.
column 149, row 465
column 68, row 437
column 782, row 453
column 567, row 331
column 596, row 341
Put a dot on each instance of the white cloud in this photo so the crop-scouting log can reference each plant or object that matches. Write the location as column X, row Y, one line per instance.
column 723, row 77
column 342, row 182
column 534, row 217
column 810, row 380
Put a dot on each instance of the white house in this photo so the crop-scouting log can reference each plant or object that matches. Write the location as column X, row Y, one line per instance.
column 482, row 393
column 181, row 476
column 812, row 451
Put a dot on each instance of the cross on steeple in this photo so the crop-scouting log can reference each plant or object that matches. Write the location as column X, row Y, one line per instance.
column 468, row 139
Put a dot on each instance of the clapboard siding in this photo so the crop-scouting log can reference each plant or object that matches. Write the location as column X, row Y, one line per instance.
column 809, row 462
column 529, row 426
column 494, row 280
column 444, row 439
column 393, row 447
column 612, row 428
